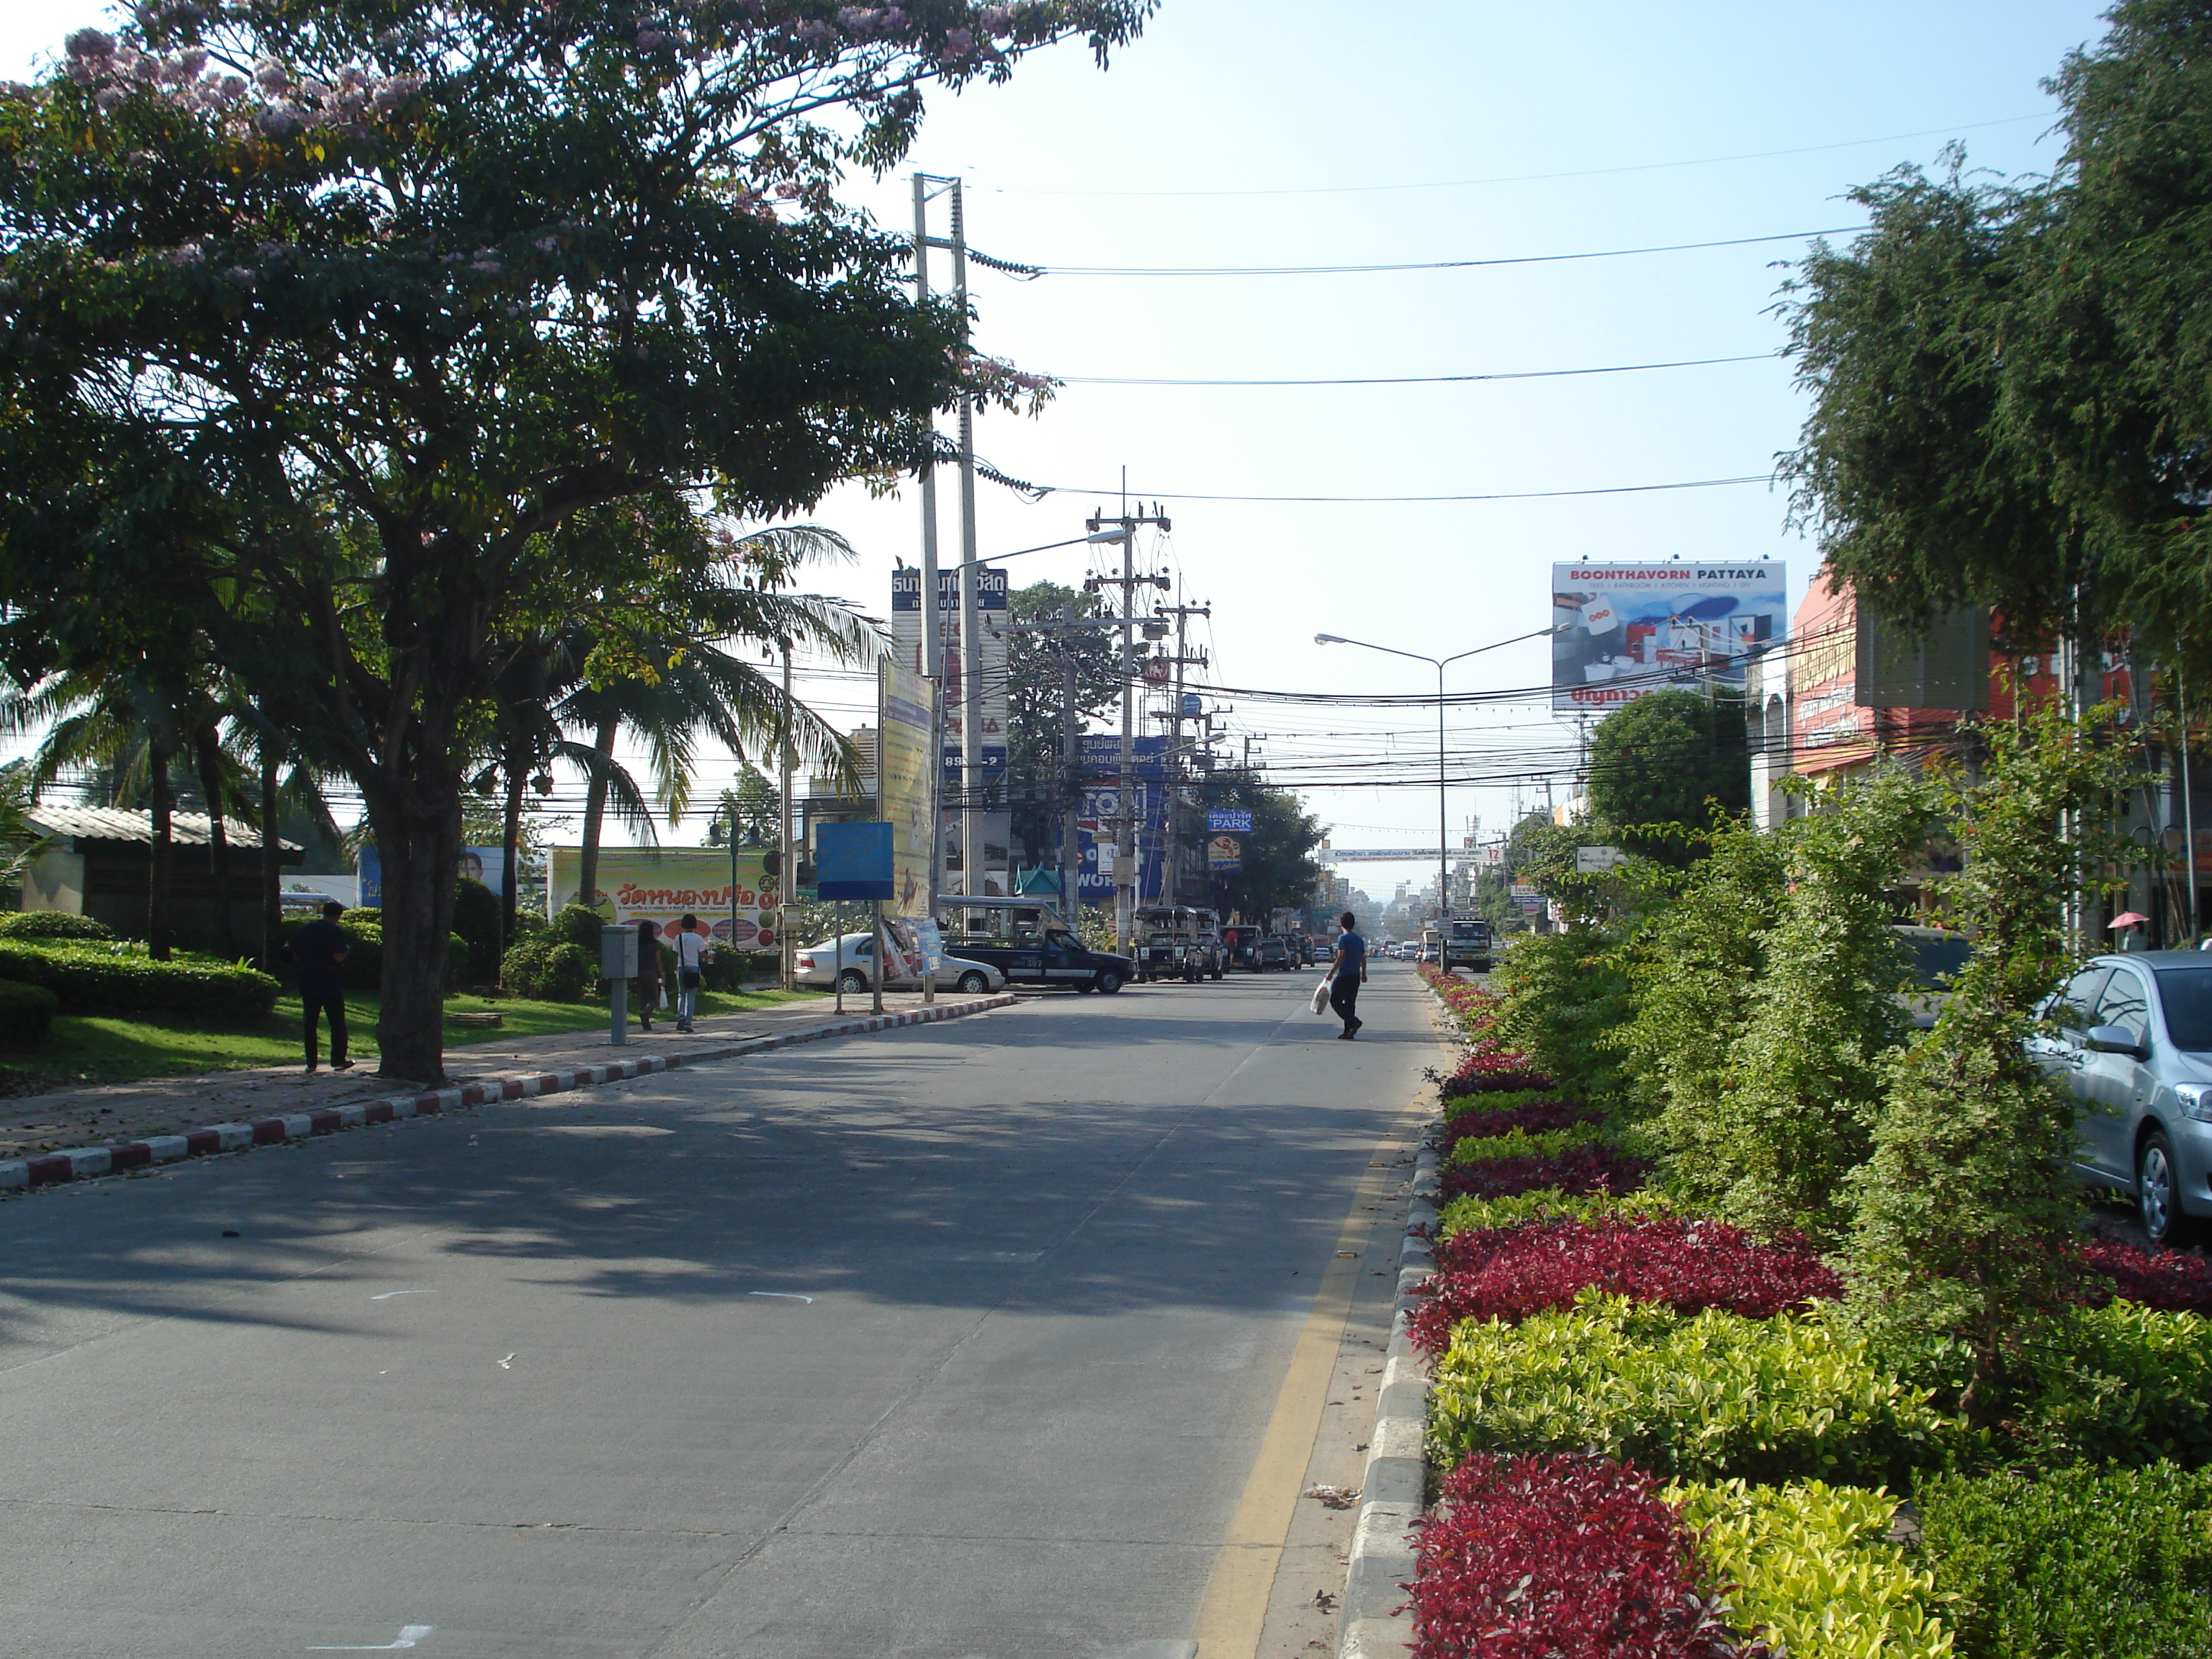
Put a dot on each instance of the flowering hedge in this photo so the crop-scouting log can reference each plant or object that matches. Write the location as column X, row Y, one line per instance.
column 1598, row 1167
column 1510, row 1273
column 2173, row 1281
column 1560, row 1557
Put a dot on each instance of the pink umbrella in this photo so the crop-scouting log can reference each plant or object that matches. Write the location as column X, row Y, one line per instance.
column 2128, row 918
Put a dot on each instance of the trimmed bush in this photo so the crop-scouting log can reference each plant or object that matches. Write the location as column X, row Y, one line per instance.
column 2109, row 1563
column 549, row 967
column 2122, row 1384
column 2172, row 1281
column 1467, row 1214
column 1521, row 1143
column 1533, row 1117
column 1705, row 1396
column 1499, row 1100
column 27, row 1014
column 51, row 924
column 122, row 979
column 1595, row 1168
column 1810, row 1573
column 363, row 968
column 476, row 921
column 1511, row 1273
column 579, row 925
column 1560, row 1557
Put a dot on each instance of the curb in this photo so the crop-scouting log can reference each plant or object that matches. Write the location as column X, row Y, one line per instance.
column 85, row 1163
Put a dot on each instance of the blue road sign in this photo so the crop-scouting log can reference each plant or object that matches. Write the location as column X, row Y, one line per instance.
column 1229, row 821
column 853, row 861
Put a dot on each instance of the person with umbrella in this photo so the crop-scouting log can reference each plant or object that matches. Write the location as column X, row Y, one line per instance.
column 2129, row 926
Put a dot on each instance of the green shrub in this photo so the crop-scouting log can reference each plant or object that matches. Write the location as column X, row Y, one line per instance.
column 1503, row 1100
column 1471, row 1213
column 2122, row 1384
column 27, row 1014
column 578, row 926
column 2074, row 1563
column 476, row 921
column 51, row 924
column 363, row 968
column 1565, row 997
column 1705, row 1396
column 120, row 978
column 1813, row 1575
column 1520, row 1143
column 550, row 968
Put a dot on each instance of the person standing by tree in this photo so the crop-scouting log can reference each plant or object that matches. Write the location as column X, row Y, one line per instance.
column 320, row 948
column 1347, row 972
column 647, row 982
column 692, row 951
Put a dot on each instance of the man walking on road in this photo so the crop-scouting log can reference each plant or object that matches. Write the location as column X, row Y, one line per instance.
column 1347, row 972
column 320, row 948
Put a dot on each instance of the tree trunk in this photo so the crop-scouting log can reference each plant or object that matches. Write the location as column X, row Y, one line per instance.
column 418, row 836
column 272, row 865
column 595, row 812
column 209, row 760
column 517, row 764
column 157, row 852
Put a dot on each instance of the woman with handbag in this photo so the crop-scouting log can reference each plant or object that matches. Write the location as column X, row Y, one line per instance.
column 692, row 951
column 647, row 985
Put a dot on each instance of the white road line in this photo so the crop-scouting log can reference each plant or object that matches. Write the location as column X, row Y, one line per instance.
column 507, row 1363
column 409, row 1635
column 786, row 1295
column 387, row 1295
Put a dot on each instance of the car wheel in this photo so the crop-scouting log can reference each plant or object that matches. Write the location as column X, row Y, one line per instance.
column 1109, row 982
column 1086, row 988
column 2158, row 1192
column 852, row 981
column 973, row 984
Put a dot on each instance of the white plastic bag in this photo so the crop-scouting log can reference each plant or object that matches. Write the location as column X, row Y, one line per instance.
column 1321, row 996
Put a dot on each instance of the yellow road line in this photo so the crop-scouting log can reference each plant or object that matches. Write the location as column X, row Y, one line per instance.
column 1235, row 1605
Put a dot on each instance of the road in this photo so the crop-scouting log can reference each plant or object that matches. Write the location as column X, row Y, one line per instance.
column 1002, row 1339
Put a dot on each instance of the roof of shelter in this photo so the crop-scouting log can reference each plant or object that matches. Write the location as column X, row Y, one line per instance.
column 120, row 824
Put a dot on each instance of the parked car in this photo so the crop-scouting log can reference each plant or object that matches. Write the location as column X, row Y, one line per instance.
column 1274, row 953
column 2132, row 1041
column 1053, row 957
column 816, row 966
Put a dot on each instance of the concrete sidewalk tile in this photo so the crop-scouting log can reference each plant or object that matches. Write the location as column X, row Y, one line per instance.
column 15, row 1175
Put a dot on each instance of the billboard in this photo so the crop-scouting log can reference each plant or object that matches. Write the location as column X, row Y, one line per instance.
column 905, row 715
column 1224, row 853
column 1098, row 816
column 991, row 615
column 1625, row 629
column 485, row 864
column 664, row 884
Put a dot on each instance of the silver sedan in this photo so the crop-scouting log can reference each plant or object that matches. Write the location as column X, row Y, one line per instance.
column 817, row 965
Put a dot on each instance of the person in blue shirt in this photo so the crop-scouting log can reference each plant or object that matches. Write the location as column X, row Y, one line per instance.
column 1347, row 972
column 320, row 948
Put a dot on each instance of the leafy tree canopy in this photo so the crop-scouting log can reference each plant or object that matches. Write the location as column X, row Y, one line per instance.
column 1279, row 871
column 1670, row 759
column 1036, row 686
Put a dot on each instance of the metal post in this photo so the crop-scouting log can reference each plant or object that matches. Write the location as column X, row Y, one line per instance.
column 1444, row 837
column 1125, row 838
column 1171, row 856
column 1071, row 745
column 837, row 973
column 931, row 665
column 876, row 923
column 971, row 640
column 787, row 879
column 618, row 1012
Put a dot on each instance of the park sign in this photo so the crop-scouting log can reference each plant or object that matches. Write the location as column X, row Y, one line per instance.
column 664, row 884
column 1623, row 629
column 1227, row 820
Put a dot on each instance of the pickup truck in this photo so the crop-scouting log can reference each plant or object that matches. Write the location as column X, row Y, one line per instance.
column 1054, row 958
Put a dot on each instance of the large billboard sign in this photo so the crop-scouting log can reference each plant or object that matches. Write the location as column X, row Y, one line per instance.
column 664, row 884
column 1625, row 629
column 905, row 715
column 991, row 617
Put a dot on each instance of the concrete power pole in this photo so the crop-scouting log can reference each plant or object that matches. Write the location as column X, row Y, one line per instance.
column 1126, row 818
column 932, row 619
column 1171, row 863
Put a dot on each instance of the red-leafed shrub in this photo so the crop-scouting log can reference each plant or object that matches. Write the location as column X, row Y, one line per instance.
column 1485, row 1072
column 1534, row 1117
column 2172, row 1281
column 1597, row 1167
column 1510, row 1273
column 1559, row 1556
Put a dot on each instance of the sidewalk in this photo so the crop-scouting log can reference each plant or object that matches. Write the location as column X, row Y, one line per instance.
column 113, row 1114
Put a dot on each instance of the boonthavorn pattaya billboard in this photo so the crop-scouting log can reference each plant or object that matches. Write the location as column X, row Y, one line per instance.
column 1628, row 628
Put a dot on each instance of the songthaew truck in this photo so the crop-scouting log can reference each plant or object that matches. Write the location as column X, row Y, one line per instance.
column 1467, row 943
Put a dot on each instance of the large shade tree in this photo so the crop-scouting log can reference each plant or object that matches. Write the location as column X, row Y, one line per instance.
column 359, row 334
column 1670, row 758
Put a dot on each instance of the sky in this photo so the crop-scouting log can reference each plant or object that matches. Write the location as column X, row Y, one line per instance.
column 1293, row 133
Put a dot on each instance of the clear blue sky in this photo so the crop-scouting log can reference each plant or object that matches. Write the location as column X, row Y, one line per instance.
column 1299, row 133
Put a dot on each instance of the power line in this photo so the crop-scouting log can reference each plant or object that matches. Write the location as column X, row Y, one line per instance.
column 1430, row 264
column 1534, row 178
column 1429, row 379
column 1500, row 495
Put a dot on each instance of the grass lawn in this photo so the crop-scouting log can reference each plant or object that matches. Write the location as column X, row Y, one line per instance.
column 90, row 1048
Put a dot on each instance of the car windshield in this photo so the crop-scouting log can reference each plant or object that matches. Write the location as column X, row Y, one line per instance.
column 2186, row 993
column 1937, row 958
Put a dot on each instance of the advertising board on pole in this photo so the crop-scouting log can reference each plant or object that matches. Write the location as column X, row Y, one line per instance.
column 1627, row 627
column 1224, row 853
column 904, row 782
column 1230, row 820
column 663, row 884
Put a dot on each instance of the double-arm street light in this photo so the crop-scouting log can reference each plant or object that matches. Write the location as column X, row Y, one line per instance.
column 1444, row 832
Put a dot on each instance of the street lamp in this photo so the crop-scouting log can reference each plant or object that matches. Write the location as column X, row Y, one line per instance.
column 1443, row 834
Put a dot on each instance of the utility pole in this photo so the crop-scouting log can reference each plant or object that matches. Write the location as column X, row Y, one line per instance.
column 972, row 791
column 1125, row 836
column 1071, row 751
column 932, row 664
column 1172, row 860
column 786, row 869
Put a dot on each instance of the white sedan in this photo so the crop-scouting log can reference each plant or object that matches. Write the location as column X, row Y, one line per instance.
column 816, row 965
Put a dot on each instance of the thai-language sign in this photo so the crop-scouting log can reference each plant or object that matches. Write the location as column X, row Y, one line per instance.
column 903, row 781
column 665, row 884
column 1228, row 820
column 1624, row 628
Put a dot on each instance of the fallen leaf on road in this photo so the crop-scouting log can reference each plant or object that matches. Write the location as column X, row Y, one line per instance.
column 1335, row 1498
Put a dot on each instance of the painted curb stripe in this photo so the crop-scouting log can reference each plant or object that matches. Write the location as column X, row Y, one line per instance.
column 86, row 1162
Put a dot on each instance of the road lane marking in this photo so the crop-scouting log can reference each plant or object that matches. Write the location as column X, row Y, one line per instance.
column 388, row 1295
column 507, row 1363
column 409, row 1635
column 784, row 1296
column 1234, row 1608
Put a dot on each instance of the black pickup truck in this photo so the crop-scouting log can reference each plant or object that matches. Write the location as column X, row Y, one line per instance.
column 1057, row 958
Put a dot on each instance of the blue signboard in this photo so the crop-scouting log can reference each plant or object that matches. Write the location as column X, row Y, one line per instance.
column 853, row 861
column 1229, row 821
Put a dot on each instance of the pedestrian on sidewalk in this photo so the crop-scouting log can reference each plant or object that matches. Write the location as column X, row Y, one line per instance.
column 647, row 982
column 1347, row 972
column 320, row 948
column 692, row 952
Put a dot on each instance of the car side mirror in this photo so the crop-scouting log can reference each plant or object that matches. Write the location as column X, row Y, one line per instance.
column 2112, row 1040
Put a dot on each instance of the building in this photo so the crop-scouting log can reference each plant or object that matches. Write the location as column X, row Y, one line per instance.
column 99, row 864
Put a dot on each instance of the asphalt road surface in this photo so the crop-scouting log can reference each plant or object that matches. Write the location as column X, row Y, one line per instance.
column 961, row 1342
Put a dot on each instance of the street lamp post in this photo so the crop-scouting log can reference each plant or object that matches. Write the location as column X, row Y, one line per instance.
column 1444, row 835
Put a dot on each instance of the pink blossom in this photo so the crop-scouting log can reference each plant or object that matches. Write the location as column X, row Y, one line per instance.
column 958, row 43
column 233, row 87
column 108, row 98
column 89, row 45
column 272, row 77
column 998, row 19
